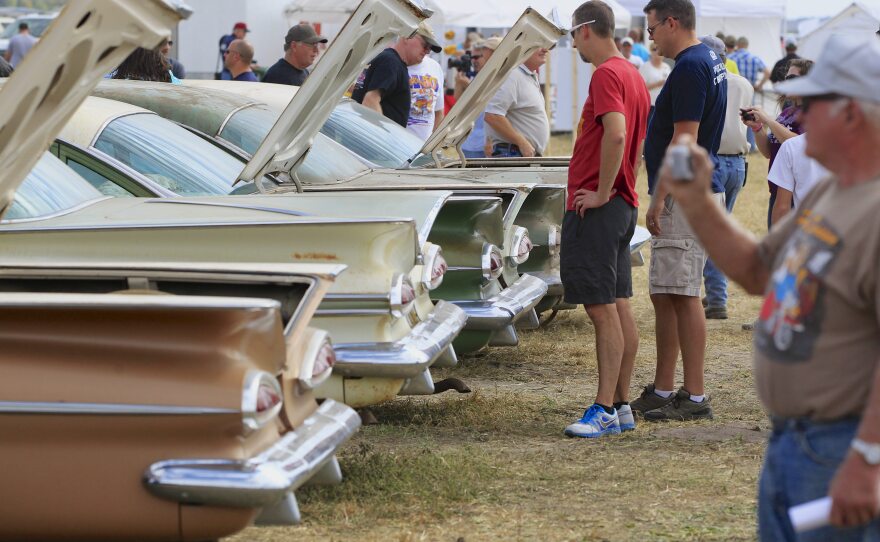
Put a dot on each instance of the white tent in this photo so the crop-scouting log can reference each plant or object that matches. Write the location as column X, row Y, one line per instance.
column 857, row 19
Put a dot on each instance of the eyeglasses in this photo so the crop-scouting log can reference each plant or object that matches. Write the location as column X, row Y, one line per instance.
column 425, row 45
column 808, row 101
column 170, row 43
column 575, row 28
column 652, row 28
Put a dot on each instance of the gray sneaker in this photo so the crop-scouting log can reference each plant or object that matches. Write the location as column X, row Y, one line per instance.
column 681, row 408
column 649, row 400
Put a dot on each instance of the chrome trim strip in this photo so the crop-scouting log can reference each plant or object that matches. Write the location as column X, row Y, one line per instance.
column 231, row 113
column 307, row 220
column 56, row 214
column 133, row 175
column 236, row 206
column 352, row 312
column 357, row 297
column 262, row 480
column 552, row 279
column 407, row 357
column 107, row 122
column 107, row 409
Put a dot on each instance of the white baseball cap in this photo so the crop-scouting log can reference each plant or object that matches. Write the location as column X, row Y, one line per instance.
column 626, row 41
column 849, row 66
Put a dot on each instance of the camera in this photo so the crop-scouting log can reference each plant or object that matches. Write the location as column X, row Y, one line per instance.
column 678, row 158
column 746, row 116
column 464, row 63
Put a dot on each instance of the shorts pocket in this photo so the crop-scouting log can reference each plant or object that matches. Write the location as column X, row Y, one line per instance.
column 672, row 262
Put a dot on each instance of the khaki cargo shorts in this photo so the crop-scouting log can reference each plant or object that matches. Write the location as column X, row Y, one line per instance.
column 677, row 259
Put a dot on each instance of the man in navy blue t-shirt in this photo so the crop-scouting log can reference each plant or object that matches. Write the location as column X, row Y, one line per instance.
column 693, row 101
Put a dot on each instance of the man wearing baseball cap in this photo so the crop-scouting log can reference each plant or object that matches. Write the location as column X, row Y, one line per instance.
column 384, row 85
column 300, row 52
column 816, row 348
column 239, row 30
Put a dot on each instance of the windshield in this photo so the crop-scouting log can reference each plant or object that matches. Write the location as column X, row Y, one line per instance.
column 171, row 156
column 49, row 188
column 371, row 135
column 35, row 26
column 327, row 162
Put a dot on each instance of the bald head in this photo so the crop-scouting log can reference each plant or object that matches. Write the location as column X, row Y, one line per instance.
column 244, row 49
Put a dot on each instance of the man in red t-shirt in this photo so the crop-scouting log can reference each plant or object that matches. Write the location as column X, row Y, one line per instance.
column 601, row 214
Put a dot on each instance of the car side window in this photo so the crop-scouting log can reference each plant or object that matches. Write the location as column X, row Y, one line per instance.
column 103, row 184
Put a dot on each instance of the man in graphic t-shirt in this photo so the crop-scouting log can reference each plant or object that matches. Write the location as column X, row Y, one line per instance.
column 693, row 101
column 426, row 93
column 601, row 213
column 384, row 85
column 816, row 353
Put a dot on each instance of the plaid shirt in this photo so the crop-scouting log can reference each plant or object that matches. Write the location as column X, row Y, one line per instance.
column 750, row 66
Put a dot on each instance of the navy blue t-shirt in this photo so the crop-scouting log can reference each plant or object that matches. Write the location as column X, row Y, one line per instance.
column 696, row 90
column 388, row 74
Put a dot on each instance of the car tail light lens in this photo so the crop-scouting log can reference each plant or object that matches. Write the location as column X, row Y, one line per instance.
column 261, row 399
column 493, row 262
column 435, row 267
column 520, row 246
column 319, row 362
column 554, row 240
column 402, row 295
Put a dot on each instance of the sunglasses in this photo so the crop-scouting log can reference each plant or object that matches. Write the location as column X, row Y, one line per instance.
column 654, row 27
column 808, row 101
column 575, row 28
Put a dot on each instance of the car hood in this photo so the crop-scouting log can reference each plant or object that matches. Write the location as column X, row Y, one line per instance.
column 86, row 40
column 370, row 27
column 531, row 32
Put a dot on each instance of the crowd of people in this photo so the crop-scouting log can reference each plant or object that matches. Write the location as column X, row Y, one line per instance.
column 815, row 340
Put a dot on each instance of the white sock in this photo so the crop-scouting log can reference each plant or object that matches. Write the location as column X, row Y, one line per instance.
column 663, row 393
column 697, row 398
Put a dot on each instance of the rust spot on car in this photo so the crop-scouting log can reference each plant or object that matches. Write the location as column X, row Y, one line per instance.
column 321, row 256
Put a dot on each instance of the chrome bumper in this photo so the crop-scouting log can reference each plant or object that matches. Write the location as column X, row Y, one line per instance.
column 552, row 280
column 506, row 307
column 408, row 357
column 264, row 479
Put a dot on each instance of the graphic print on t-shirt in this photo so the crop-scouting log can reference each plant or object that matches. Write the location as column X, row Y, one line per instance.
column 791, row 316
column 423, row 90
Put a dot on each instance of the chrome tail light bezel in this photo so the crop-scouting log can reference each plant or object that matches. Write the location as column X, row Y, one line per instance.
column 319, row 345
column 256, row 384
column 401, row 285
column 433, row 258
column 492, row 254
column 518, row 240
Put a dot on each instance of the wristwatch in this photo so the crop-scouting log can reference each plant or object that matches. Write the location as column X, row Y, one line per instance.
column 868, row 450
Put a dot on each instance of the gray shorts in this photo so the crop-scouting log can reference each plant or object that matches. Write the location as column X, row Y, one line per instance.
column 677, row 259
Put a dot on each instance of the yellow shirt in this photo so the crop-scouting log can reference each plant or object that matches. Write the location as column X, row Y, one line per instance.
column 731, row 66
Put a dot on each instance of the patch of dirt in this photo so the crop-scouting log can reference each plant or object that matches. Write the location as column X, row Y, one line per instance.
column 714, row 433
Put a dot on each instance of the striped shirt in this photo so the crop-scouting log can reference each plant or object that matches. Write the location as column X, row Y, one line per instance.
column 750, row 66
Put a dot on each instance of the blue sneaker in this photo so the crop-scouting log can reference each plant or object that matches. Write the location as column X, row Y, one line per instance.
column 626, row 418
column 595, row 423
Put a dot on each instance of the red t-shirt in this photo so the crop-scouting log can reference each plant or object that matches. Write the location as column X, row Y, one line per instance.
column 616, row 86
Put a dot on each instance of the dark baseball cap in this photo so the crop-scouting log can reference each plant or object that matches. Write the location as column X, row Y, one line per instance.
column 304, row 33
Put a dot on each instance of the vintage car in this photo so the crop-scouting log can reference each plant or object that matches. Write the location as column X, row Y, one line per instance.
column 387, row 329
column 133, row 152
column 147, row 417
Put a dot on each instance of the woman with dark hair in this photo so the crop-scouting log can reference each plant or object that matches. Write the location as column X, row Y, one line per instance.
column 144, row 65
column 776, row 131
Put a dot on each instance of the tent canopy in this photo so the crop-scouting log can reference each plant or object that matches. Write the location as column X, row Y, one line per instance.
column 485, row 14
column 857, row 19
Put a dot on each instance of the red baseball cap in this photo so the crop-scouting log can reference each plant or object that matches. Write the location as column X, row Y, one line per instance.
column 240, row 25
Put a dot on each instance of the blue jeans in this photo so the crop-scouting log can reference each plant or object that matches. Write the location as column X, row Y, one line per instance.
column 473, row 154
column 801, row 460
column 732, row 174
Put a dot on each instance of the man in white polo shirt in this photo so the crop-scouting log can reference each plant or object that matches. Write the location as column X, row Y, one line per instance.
column 516, row 117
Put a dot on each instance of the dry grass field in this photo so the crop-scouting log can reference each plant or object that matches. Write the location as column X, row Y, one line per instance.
column 494, row 465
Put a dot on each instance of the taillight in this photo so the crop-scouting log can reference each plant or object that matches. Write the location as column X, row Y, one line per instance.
column 492, row 261
column 435, row 267
column 520, row 246
column 319, row 361
column 554, row 240
column 261, row 399
column 402, row 295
